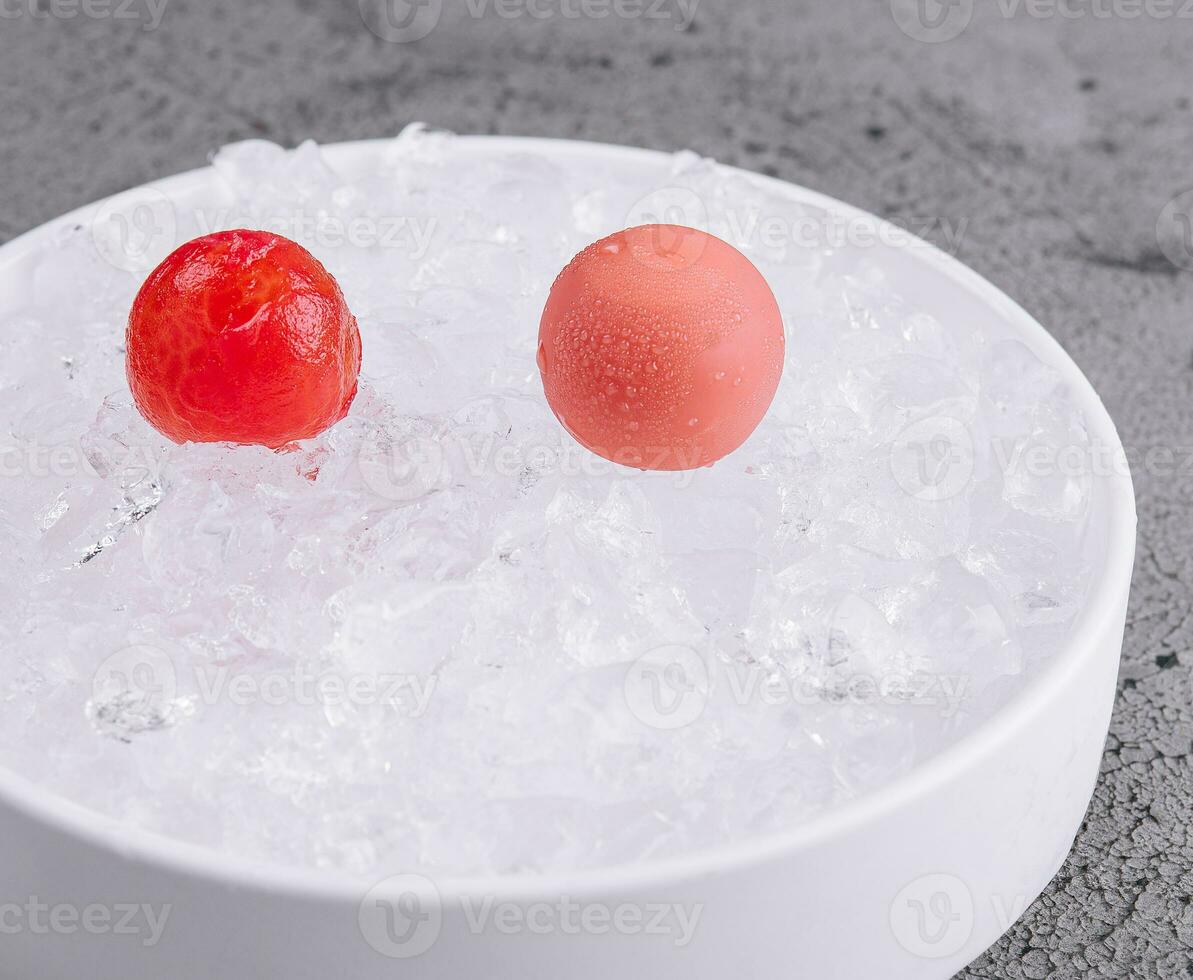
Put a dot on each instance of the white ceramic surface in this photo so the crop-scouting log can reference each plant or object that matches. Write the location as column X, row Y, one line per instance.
column 914, row 880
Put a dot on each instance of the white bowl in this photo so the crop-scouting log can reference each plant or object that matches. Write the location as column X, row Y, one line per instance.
column 913, row 880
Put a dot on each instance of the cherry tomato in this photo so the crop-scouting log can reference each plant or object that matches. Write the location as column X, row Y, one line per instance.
column 242, row 336
column 661, row 347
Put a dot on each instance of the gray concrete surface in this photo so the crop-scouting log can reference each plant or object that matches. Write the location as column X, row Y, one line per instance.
column 1057, row 141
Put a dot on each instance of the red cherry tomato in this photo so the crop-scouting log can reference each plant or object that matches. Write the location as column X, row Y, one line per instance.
column 661, row 347
column 242, row 336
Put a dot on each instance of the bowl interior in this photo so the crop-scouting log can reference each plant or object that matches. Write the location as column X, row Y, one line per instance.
column 930, row 279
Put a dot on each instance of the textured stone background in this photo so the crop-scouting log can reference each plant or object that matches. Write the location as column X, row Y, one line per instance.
column 1055, row 143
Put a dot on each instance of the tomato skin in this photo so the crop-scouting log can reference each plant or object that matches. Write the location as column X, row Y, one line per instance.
column 242, row 336
column 661, row 347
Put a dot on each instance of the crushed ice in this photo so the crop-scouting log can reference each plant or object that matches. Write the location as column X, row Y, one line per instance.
column 441, row 635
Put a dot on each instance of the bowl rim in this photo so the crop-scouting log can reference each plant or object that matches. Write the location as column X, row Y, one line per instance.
column 1096, row 620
